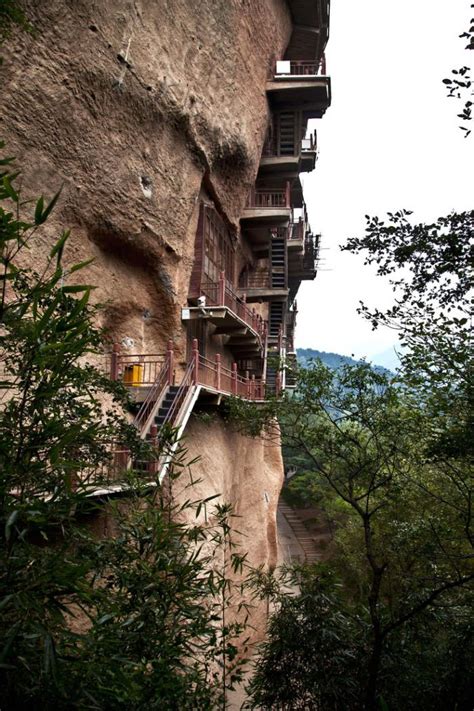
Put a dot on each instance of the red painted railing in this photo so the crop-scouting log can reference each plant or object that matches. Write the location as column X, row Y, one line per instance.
column 300, row 67
column 266, row 199
column 164, row 379
column 221, row 294
column 200, row 371
column 213, row 374
column 155, row 370
column 256, row 280
column 134, row 369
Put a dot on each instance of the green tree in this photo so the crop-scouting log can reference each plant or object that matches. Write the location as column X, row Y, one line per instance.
column 131, row 620
column 403, row 544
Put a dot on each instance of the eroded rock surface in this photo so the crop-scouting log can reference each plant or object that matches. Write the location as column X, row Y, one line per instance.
column 135, row 107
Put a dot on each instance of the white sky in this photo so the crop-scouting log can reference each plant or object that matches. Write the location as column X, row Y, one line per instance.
column 389, row 141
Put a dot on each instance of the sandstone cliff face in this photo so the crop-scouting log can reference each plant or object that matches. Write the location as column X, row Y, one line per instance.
column 136, row 107
column 248, row 473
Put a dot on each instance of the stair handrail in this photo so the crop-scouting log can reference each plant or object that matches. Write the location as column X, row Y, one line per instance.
column 173, row 412
column 163, row 380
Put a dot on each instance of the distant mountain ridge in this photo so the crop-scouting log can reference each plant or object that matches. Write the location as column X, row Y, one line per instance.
column 332, row 360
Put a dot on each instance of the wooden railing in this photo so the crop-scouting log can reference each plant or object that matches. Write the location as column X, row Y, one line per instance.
column 256, row 280
column 213, row 374
column 294, row 67
column 154, row 370
column 266, row 199
column 272, row 147
column 134, row 369
column 221, row 294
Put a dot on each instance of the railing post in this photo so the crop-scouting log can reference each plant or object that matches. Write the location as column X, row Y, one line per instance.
column 153, row 463
column 252, row 388
column 234, row 378
column 170, row 356
column 195, row 358
column 218, row 371
column 222, row 289
column 244, row 306
column 114, row 362
column 247, row 384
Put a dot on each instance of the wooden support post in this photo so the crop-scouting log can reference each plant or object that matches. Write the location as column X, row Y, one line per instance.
column 222, row 289
column 170, row 356
column 195, row 357
column 114, row 362
column 247, row 384
column 218, row 371
column 234, row 378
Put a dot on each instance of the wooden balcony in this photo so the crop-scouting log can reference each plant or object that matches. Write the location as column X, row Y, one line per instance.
column 302, row 266
column 302, row 85
column 309, row 148
column 268, row 206
column 219, row 305
column 263, row 286
column 310, row 28
column 287, row 160
column 281, row 153
column 216, row 378
column 296, row 235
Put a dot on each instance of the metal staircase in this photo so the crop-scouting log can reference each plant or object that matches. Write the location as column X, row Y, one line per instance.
column 166, row 405
column 286, row 133
column 276, row 318
column 278, row 262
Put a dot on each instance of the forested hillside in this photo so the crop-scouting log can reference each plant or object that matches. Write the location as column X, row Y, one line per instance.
column 332, row 360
